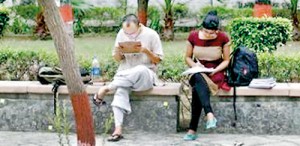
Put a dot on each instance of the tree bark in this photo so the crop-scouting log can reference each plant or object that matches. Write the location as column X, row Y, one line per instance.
column 142, row 11
column 168, row 30
column 296, row 31
column 294, row 12
column 64, row 44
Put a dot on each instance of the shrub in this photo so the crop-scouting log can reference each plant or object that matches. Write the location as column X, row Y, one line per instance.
column 276, row 5
column 231, row 13
column 28, row 2
column 153, row 13
column 285, row 68
column 104, row 13
column 260, row 34
column 18, row 65
column 19, row 26
column 171, row 67
column 3, row 18
column 78, row 26
column 28, row 12
column 249, row 5
column 154, row 16
column 286, row 5
column 180, row 10
column 226, row 13
column 266, row 2
column 284, row 13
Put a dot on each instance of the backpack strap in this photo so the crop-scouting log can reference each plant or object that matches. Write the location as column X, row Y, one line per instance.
column 234, row 106
column 55, row 94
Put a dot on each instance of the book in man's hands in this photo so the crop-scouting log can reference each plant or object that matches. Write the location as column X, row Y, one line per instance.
column 129, row 46
column 198, row 69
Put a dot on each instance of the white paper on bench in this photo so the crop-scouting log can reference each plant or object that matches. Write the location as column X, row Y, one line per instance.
column 266, row 83
column 197, row 70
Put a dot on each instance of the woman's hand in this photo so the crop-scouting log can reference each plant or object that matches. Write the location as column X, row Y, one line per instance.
column 213, row 73
column 198, row 64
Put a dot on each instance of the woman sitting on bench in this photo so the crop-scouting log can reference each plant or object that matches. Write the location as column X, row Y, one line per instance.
column 207, row 48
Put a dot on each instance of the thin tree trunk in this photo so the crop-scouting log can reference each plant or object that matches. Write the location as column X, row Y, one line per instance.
column 64, row 45
column 294, row 11
column 295, row 20
column 296, row 31
column 142, row 11
column 168, row 30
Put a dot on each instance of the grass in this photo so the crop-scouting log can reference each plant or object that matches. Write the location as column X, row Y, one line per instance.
column 101, row 45
column 87, row 46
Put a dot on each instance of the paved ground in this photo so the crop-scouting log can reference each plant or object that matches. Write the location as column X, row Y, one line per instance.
column 152, row 139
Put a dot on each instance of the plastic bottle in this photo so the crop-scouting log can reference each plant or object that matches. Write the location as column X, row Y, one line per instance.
column 96, row 72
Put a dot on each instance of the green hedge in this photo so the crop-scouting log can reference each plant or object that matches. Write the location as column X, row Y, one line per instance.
column 15, row 65
column 20, row 26
column 155, row 17
column 260, row 34
column 266, row 2
column 226, row 13
column 231, row 13
column 104, row 13
column 180, row 10
column 285, row 68
column 28, row 12
column 4, row 12
column 20, row 20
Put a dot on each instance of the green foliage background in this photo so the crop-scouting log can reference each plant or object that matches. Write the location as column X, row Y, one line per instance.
column 260, row 34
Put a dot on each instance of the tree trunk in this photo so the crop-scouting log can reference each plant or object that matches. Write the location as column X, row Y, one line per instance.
column 142, row 11
column 296, row 31
column 168, row 30
column 294, row 11
column 64, row 44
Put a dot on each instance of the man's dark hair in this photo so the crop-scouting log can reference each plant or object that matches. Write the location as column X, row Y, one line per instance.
column 211, row 21
column 131, row 18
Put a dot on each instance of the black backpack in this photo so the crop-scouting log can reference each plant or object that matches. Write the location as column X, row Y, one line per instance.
column 54, row 75
column 49, row 75
column 242, row 69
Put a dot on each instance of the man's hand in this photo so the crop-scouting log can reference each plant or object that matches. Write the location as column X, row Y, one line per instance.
column 118, row 54
column 154, row 58
column 139, row 49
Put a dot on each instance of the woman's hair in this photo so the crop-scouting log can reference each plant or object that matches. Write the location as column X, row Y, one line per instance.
column 211, row 21
column 131, row 18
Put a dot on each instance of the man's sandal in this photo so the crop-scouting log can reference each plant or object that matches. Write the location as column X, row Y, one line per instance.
column 115, row 138
column 97, row 101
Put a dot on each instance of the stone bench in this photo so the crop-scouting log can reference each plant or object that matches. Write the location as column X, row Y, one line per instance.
column 259, row 111
column 27, row 106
